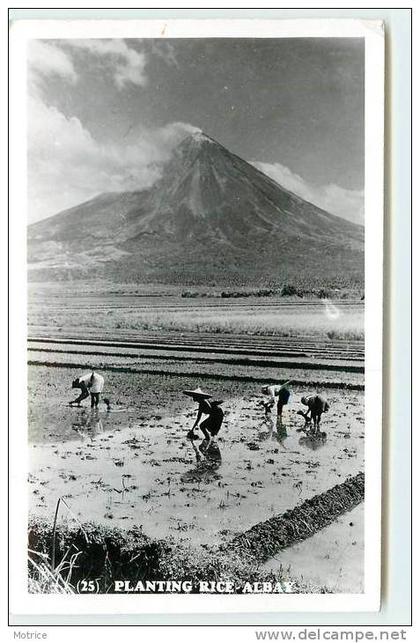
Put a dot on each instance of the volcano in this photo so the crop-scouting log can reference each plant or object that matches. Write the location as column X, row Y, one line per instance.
column 211, row 218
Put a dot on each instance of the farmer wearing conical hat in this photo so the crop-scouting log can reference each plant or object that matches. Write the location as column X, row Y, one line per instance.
column 276, row 393
column 211, row 425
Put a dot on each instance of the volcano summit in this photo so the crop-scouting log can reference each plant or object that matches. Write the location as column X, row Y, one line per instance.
column 211, row 218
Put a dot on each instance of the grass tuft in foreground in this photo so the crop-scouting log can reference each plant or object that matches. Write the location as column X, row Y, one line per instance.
column 110, row 554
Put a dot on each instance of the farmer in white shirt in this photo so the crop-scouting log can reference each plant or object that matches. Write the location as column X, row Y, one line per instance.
column 91, row 383
column 277, row 393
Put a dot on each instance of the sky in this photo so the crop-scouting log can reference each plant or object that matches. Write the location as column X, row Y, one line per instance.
column 104, row 115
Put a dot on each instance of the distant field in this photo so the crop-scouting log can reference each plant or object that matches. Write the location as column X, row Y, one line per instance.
column 119, row 310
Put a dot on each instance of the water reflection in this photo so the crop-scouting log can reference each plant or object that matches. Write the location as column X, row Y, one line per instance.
column 88, row 423
column 274, row 430
column 208, row 460
column 313, row 441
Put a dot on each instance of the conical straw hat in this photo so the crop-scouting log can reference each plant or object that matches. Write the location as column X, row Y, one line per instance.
column 197, row 393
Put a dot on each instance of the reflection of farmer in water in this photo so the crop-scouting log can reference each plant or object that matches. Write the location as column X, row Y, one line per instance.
column 277, row 393
column 88, row 422
column 208, row 460
column 279, row 435
column 209, row 451
column 313, row 441
column 91, row 383
column 211, row 425
column 317, row 405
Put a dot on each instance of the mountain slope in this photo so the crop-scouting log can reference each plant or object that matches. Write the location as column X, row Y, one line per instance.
column 211, row 218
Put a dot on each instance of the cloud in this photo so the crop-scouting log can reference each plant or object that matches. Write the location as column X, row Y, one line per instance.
column 126, row 64
column 67, row 166
column 45, row 58
column 348, row 204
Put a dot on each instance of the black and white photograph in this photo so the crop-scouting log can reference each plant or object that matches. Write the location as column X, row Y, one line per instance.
column 198, row 311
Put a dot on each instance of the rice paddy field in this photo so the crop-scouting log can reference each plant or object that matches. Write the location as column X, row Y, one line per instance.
column 133, row 467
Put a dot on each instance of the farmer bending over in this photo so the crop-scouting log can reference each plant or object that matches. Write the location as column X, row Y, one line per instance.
column 317, row 405
column 276, row 393
column 211, row 425
column 91, row 383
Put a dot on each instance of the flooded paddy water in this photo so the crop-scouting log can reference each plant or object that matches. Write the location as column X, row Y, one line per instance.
column 135, row 466
column 333, row 557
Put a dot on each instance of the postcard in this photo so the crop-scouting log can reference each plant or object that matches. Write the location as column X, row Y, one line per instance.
column 196, row 224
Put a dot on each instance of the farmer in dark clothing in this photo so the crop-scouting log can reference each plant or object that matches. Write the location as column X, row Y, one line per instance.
column 83, row 386
column 211, row 425
column 317, row 405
